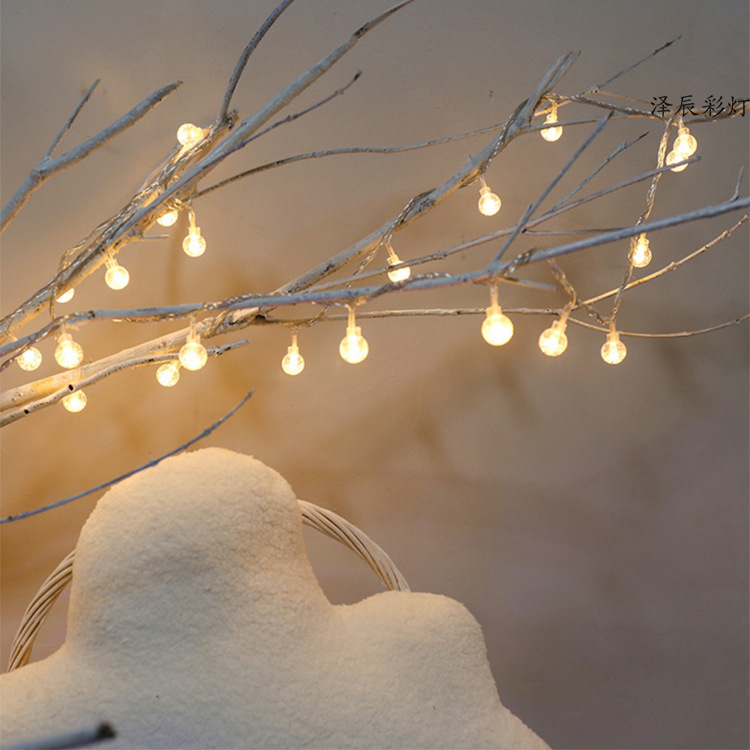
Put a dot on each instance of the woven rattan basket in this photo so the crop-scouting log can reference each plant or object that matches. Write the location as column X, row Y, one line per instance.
column 323, row 520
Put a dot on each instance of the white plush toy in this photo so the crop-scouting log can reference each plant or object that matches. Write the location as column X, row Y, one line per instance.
column 195, row 621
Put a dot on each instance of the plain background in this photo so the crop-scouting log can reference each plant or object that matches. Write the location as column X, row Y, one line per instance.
column 593, row 519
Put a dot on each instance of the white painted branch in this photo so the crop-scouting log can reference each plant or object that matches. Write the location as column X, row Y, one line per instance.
column 50, row 166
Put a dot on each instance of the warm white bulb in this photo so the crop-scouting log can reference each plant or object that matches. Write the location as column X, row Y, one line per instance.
column 640, row 252
column 67, row 295
column 68, row 354
column 293, row 362
column 685, row 144
column 613, row 350
column 168, row 218
column 552, row 134
column 189, row 135
column 398, row 274
column 193, row 354
column 194, row 244
column 497, row 328
column 489, row 203
column 553, row 341
column 117, row 276
column 168, row 374
column 75, row 401
column 353, row 347
column 673, row 158
column 29, row 359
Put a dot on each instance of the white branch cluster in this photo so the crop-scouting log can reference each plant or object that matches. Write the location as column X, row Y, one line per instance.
column 178, row 181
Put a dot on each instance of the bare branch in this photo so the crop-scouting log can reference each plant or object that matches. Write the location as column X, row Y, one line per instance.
column 47, row 167
column 245, row 56
column 71, row 120
column 148, row 464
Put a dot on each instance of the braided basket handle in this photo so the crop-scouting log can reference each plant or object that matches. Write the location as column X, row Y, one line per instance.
column 325, row 521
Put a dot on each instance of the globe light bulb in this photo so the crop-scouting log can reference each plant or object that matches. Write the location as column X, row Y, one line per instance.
column 552, row 134
column 640, row 252
column 489, row 203
column 553, row 341
column 168, row 374
column 75, row 401
column 29, row 359
column 68, row 353
column 193, row 354
column 397, row 274
column 194, row 245
column 66, row 296
column 189, row 135
column 353, row 347
column 168, row 218
column 117, row 276
column 293, row 362
column 497, row 328
column 613, row 350
column 673, row 158
column 685, row 144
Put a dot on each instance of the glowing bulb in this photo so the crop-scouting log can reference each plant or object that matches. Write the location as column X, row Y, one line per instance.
column 673, row 158
column 553, row 341
column 168, row 218
column 489, row 203
column 75, row 401
column 353, row 347
column 397, row 274
column 168, row 374
column 552, row 134
column 497, row 328
column 193, row 354
column 685, row 144
column 117, row 276
column 189, row 135
column 68, row 354
column 640, row 252
column 66, row 296
column 194, row 245
column 613, row 350
column 293, row 362
column 29, row 359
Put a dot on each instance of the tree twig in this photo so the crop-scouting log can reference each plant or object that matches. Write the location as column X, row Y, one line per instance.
column 204, row 433
column 49, row 166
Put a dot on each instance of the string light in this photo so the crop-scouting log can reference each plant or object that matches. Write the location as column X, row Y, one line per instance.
column 684, row 146
column 489, row 203
column 353, row 347
column 117, row 276
column 397, row 274
column 640, row 252
column 29, row 359
column 189, row 135
column 293, row 362
column 66, row 296
column 553, row 341
column 193, row 354
column 497, row 328
column 168, row 374
column 673, row 158
column 552, row 134
column 168, row 218
column 613, row 350
column 68, row 353
column 75, row 402
column 194, row 245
